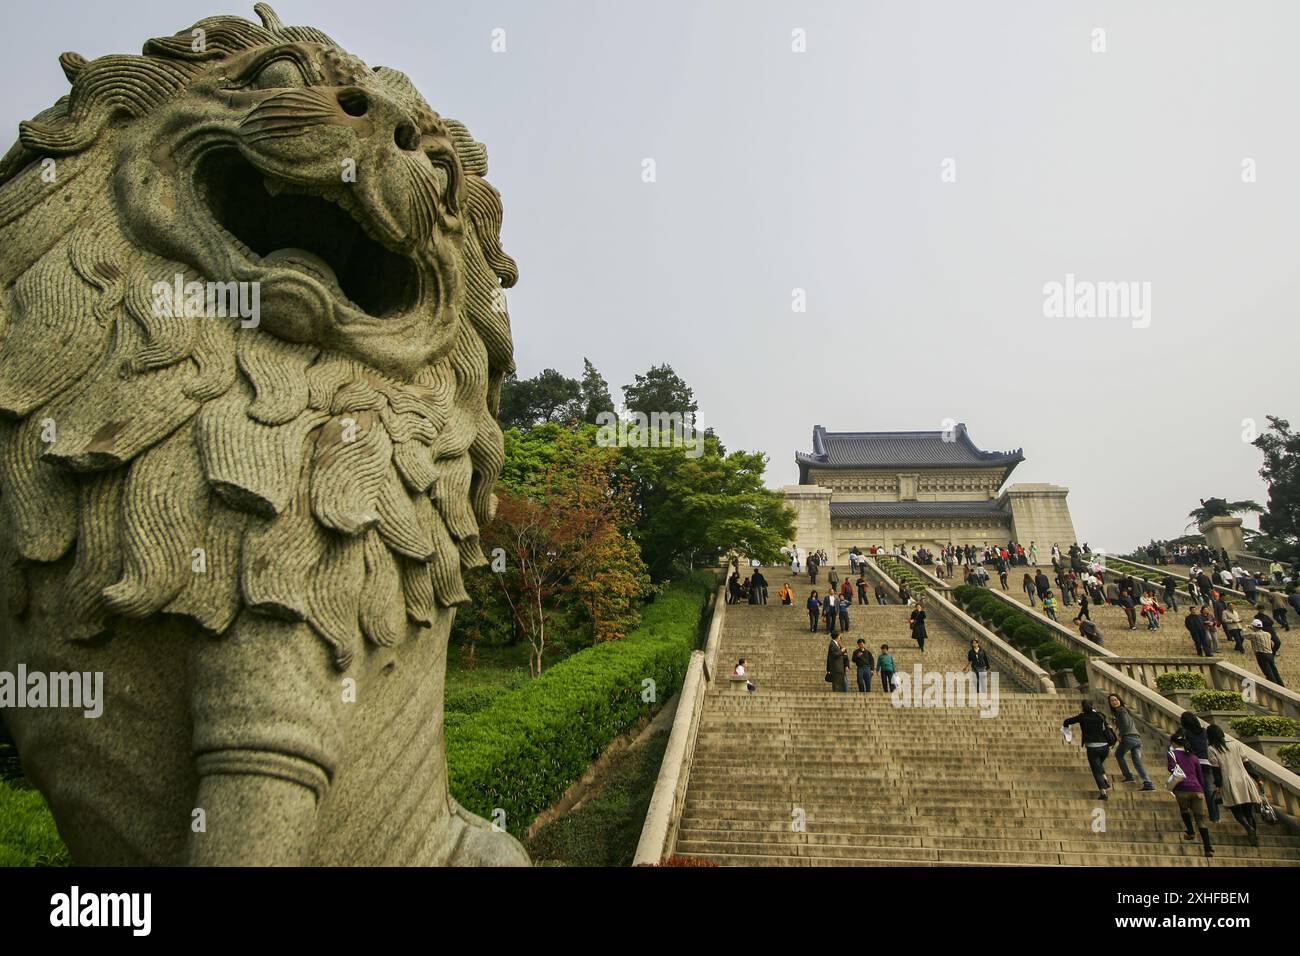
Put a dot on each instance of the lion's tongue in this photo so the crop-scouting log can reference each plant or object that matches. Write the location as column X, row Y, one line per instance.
column 303, row 261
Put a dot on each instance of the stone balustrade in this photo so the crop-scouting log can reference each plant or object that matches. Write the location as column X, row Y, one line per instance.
column 1005, row 658
column 1059, row 631
column 1111, row 676
column 659, row 833
column 1219, row 675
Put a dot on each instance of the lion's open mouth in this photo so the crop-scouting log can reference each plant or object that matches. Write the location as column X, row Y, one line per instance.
column 308, row 233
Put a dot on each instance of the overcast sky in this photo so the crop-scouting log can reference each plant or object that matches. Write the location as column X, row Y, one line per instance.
column 824, row 171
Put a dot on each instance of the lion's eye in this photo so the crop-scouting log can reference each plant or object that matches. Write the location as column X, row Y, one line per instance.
column 279, row 74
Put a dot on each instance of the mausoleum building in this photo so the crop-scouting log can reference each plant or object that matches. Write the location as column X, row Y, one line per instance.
column 921, row 489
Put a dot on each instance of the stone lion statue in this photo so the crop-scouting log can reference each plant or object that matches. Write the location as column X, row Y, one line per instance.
column 253, row 343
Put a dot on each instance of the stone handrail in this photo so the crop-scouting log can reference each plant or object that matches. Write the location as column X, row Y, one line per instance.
column 659, row 833
column 1104, row 678
column 1157, row 575
column 1023, row 670
column 1219, row 675
column 1255, row 562
column 1273, row 697
column 1062, row 633
column 714, row 638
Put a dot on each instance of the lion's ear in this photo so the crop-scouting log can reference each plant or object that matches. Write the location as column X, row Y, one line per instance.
column 73, row 64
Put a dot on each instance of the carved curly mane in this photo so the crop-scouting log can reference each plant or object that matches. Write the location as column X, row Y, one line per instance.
column 295, row 481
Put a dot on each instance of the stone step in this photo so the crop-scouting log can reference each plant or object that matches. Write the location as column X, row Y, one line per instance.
column 1119, row 828
column 1084, row 842
column 885, row 785
column 951, row 858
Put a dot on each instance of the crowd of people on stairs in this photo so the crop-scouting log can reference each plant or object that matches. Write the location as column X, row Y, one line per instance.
column 1207, row 771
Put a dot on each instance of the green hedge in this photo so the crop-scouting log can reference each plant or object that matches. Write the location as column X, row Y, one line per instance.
column 1217, row 700
column 1289, row 754
column 1179, row 680
column 901, row 574
column 1022, row 630
column 523, row 751
column 1263, row 727
column 472, row 700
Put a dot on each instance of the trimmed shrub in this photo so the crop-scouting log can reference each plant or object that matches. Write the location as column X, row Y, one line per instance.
column 1064, row 659
column 1180, row 680
column 1216, row 700
column 1001, row 614
column 1018, row 631
column 1081, row 670
column 524, row 750
column 1035, row 635
column 1263, row 727
column 1045, row 650
column 471, row 701
column 1289, row 754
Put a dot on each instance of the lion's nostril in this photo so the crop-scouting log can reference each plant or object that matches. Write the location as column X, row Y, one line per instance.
column 407, row 136
column 353, row 101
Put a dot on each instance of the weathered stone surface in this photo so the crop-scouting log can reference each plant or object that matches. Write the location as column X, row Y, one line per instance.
column 252, row 524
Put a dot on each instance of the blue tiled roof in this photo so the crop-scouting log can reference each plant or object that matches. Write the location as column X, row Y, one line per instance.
column 900, row 450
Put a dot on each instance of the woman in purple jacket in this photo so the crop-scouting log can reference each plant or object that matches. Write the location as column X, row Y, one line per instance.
column 1190, row 790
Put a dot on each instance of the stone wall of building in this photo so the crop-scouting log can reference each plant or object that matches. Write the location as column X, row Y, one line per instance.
column 858, row 484
column 921, row 534
column 1039, row 514
column 811, row 505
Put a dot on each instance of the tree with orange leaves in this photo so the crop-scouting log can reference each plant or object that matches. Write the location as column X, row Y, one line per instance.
column 565, row 538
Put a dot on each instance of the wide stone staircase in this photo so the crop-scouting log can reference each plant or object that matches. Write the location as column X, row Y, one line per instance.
column 1171, row 639
column 796, row 775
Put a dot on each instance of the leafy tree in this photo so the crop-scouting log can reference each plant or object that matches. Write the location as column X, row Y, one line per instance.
column 546, row 397
column 551, row 396
column 1281, row 469
column 660, row 390
column 690, row 511
column 563, row 527
column 1221, row 508
column 529, row 454
column 594, row 394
